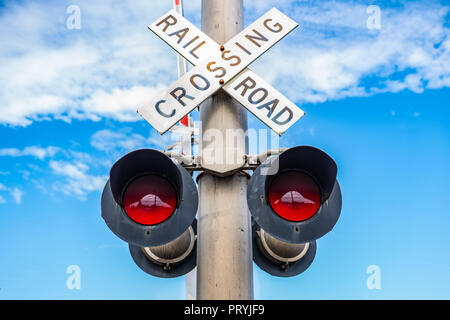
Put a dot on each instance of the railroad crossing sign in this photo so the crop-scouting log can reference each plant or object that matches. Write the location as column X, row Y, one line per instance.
column 225, row 67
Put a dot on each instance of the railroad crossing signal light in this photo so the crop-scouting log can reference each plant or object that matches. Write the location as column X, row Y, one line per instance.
column 294, row 199
column 151, row 202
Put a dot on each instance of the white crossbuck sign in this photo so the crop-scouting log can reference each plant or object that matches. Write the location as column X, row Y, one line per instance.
column 225, row 67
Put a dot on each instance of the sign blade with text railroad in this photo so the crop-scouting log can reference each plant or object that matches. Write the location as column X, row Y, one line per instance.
column 266, row 103
column 211, row 73
column 184, row 37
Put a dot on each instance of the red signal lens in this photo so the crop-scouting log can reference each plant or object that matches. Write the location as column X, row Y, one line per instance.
column 294, row 196
column 149, row 200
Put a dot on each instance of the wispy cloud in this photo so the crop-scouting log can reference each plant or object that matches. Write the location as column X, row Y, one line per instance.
column 17, row 194
column 120, row 104
column 98, row 71
column 74, row 166
column 78, row 182
column 113, row 63
column 335, row 55
column 34, row 151
column 124, row 141
column 107, row 140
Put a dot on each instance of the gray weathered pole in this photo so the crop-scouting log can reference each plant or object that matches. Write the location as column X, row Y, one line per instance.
column 224, row 247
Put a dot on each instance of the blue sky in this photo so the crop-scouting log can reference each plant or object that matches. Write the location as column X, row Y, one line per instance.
column 376, row 100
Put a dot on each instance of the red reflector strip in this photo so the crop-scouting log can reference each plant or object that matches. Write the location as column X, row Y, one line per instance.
column 185, row 121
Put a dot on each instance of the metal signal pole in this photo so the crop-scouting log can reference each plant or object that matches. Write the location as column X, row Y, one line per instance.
column 224, row 246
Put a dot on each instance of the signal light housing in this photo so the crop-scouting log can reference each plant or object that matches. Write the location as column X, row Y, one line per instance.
column 320, row 171
column 151, row 202
column 124, row 173
column 294, row 199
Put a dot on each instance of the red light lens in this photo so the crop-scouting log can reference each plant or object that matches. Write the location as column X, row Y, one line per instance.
column 294, row 196
column 149, row 200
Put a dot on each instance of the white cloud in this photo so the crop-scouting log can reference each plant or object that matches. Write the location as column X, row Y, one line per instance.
column 114, row 63
column 34, row 151
column 335, row 53
column 25, row 174
column 105, row 69
column 17, row 194
column 74, row 168
column 120, row 104
column 107, row 140
column 78, row 182
column 110, row 141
